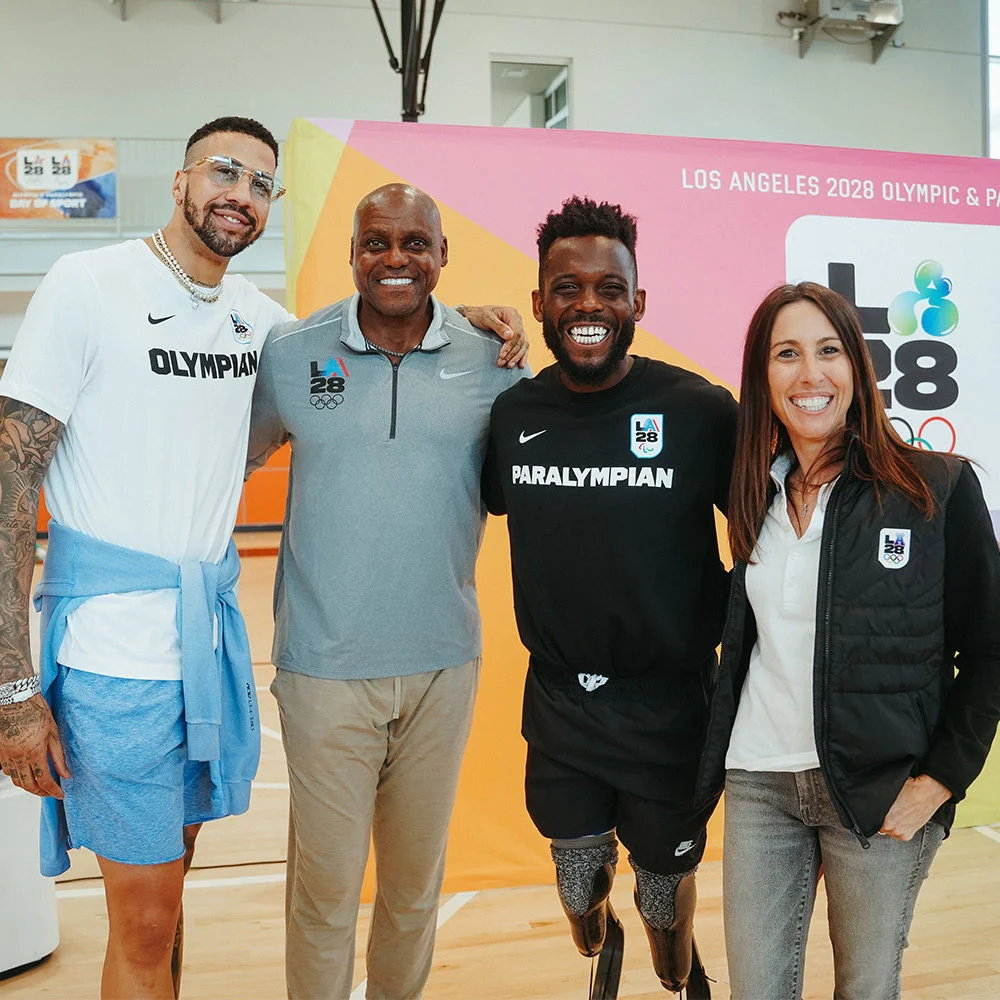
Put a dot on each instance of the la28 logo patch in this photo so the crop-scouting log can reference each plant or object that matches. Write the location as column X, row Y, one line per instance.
column 327, row 383
column 646, row 434
column 894, row 547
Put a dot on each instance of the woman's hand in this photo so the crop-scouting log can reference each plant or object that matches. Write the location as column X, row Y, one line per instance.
column 917, row 801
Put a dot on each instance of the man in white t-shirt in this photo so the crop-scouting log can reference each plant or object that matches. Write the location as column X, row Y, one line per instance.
column 128, row 391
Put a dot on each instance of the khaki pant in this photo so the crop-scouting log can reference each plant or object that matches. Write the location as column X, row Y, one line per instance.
column 369, row 760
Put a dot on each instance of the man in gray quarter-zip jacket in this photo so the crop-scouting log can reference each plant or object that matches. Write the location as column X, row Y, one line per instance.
column 385, row 398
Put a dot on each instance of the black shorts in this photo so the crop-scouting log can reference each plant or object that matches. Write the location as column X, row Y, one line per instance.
column 662, row 835
column 642, row 735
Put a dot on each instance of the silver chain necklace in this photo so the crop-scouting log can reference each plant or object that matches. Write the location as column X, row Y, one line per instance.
column 804, row 493
column 385, row 350
column 198, row 293
column 805, row 502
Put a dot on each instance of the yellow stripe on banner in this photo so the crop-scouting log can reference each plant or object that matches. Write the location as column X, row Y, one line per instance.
column 312, row 156
column 324, row 272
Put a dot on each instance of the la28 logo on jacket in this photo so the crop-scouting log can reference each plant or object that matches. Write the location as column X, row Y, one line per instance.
column 327, row 383
column 894, row 547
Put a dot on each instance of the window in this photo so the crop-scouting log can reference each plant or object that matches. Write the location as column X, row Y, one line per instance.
column 529, row 94
column 992, row 94
column 557, row 101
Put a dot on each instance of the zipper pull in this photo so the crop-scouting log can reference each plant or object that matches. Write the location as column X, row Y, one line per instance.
column 864, row 841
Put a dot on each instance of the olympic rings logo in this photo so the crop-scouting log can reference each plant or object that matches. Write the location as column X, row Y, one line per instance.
column 918, row 440
column 326, row 400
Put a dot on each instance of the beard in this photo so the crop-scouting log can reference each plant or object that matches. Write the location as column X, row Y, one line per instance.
column 205, row 228
column 589, row 375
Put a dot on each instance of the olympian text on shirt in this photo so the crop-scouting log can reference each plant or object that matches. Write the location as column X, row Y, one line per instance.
column 606, row 475
column 198, row 364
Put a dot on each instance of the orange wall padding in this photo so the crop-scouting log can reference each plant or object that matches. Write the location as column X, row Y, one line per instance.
column 263, row 499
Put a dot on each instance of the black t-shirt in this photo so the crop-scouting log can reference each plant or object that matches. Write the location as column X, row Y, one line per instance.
column 619, row 591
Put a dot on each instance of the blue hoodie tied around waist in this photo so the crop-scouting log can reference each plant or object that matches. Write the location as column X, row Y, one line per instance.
column 220, row 699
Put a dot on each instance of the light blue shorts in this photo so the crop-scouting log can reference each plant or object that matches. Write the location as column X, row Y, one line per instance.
column 132, row 789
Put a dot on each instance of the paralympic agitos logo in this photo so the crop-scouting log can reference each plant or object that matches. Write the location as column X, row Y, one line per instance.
column 327, row 383
column 925, row 368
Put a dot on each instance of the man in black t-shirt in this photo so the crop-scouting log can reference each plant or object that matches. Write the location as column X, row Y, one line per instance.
column 608, row 467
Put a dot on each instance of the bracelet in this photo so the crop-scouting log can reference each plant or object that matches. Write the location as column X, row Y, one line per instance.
column 20, row 690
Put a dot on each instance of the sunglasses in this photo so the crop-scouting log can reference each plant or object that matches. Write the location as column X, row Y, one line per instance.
column 225, row 172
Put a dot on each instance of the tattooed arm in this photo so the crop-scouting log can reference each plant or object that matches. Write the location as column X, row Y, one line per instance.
column 28, row 734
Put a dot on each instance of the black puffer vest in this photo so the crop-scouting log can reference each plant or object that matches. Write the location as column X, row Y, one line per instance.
column 881, row 669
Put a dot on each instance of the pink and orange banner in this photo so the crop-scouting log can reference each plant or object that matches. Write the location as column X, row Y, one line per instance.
column 910, row 240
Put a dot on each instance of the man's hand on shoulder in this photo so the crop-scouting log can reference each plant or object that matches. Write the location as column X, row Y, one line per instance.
column 506, row 323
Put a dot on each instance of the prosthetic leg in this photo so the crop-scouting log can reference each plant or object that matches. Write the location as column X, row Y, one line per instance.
column 585, row 870
column 666, row 904
column 607, row 974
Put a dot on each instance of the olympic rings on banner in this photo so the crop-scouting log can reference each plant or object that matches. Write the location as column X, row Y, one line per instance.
column 909, row 435
column 918, row 440
column 954, row 436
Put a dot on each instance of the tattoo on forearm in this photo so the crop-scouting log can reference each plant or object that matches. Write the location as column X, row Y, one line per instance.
column 28, row 439
column 19, row 722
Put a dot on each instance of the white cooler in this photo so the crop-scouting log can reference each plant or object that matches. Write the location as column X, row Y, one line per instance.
column 29, row 926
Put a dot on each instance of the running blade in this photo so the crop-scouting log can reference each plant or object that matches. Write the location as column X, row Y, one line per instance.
column 608, row 974
column 697, row 985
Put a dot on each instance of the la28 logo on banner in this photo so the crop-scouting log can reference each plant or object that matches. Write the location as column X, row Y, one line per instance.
column 924, row 366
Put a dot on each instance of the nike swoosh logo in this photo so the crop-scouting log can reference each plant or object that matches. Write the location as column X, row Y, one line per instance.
column 447, row 375
column 683, row 848
column 161, row 319
column 525, row 438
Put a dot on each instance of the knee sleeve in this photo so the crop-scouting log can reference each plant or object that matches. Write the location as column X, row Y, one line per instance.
column 656, row 894
column 577, row 863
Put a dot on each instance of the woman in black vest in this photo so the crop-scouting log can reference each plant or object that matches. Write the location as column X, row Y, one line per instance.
column 866, row 573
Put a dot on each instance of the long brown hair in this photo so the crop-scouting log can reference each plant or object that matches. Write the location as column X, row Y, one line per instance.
column 760, row 436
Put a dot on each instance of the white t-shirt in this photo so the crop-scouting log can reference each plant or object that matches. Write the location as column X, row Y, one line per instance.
column 155, row 398
column 774, row 722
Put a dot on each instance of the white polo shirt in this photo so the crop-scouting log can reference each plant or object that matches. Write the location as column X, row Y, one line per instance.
column 774, row 723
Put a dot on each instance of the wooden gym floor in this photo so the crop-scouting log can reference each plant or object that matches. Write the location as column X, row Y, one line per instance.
column 502, row 944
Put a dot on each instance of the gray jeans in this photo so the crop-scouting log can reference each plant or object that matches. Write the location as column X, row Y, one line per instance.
column 780, row 827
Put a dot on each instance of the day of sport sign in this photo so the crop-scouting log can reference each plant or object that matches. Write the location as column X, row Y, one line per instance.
column 57, row 179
